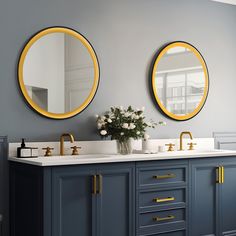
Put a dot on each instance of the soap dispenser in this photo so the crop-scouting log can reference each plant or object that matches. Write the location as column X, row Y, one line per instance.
column 23, row 151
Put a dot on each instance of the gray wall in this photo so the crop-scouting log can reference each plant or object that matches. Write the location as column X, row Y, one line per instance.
column 125, row 34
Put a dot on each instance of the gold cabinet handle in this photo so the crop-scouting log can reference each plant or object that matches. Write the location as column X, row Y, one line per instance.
column 94, row 190
column 161, row 200
column 218, row 175
column 168, row 176
column 99, row 184
column 222, row 174
column 158, row 219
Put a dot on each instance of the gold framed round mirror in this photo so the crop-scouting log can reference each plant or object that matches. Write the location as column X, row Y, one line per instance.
column 58, row 72
column 180, row 81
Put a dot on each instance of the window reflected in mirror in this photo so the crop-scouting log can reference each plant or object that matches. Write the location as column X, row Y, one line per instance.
column 180, row 81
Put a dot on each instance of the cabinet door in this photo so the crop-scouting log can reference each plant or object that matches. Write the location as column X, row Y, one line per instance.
column 116, row 200
column 228, row 200
column 204, row 200
column 73, row 205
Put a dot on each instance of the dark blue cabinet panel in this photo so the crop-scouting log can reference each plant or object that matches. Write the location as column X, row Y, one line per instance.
column 4, row 190
column 1, row 234
column 60, row 201
column 77, row 211
column 227, row 198
column 204, row 198
column 115, row 201
column 73, row 203
column 173, row 233
column 162, row 198
column 213, row 207
column 161, row 175
column 30, row 208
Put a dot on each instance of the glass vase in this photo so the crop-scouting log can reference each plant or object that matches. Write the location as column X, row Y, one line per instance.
column 124, row 147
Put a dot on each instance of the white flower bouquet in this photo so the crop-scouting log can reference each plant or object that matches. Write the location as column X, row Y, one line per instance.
column 122, row 124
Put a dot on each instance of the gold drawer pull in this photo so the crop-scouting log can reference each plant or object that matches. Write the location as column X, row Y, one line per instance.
column 168, row 176
column 158, row 219
column 94, row 191
column 99, row 184
column 160, row 200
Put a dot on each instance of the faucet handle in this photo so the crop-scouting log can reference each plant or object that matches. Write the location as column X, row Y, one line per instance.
column 48, row 152
column 191, row 146
column 75, row 150
column 171, row 147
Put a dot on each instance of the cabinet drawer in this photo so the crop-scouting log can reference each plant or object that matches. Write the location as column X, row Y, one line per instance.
column 153, row 177
column 162, row 221
column 178, row 233
column 162, row 199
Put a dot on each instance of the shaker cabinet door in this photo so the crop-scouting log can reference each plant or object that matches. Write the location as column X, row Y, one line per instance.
column 204, row 198
column 116, row 201
column 73, row 202
column 228, row 200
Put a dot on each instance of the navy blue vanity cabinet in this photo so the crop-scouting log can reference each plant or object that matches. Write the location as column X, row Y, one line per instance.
column 74, row 204
column 204, row 190
column 95, row 200
column 213, row 200
column 30, row 200
column 84, row 200
column 4, row 190
column 116, row 200
column 227, row 198
column 162, row 198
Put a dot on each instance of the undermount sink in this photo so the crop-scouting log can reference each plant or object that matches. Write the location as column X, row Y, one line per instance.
column 100, row 156
column 67, row 158
column 194, row 152
column 204, row 151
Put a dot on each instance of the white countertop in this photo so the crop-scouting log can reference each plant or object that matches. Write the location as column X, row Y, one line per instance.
column 114, row 158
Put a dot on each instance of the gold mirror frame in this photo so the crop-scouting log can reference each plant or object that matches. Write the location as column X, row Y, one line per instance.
column 93, row 55
column 205, row 69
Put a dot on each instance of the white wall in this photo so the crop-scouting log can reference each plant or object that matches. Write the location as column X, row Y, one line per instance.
column 126, row 35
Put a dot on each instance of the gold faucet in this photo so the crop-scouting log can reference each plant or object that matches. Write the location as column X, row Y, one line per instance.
column 62, row 142
column 181, row 139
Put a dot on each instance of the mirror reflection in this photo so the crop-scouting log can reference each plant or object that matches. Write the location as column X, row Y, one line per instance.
column 60, row 73
column 180, row 81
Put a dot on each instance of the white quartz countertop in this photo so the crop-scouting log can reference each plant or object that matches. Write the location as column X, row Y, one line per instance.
column 114, row 158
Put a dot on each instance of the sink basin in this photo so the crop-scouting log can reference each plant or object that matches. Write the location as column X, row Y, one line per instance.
column 194, row 152
column 68, row 158
column 105, row 156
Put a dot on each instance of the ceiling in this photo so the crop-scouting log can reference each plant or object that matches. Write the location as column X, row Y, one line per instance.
column 233, row 2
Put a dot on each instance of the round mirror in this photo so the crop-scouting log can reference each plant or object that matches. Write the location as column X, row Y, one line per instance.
column 58, row 72
column 180, row 81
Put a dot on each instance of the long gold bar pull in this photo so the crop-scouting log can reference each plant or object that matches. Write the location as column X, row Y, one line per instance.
column 161, row 200
column 222, row 174
column 94, row 190
column 100, row 184
column 168, row 176
column 158, row 219
column 218, row 175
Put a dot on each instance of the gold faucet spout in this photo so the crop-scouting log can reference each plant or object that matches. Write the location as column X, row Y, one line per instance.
column 181, row 139
column 62, row 142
